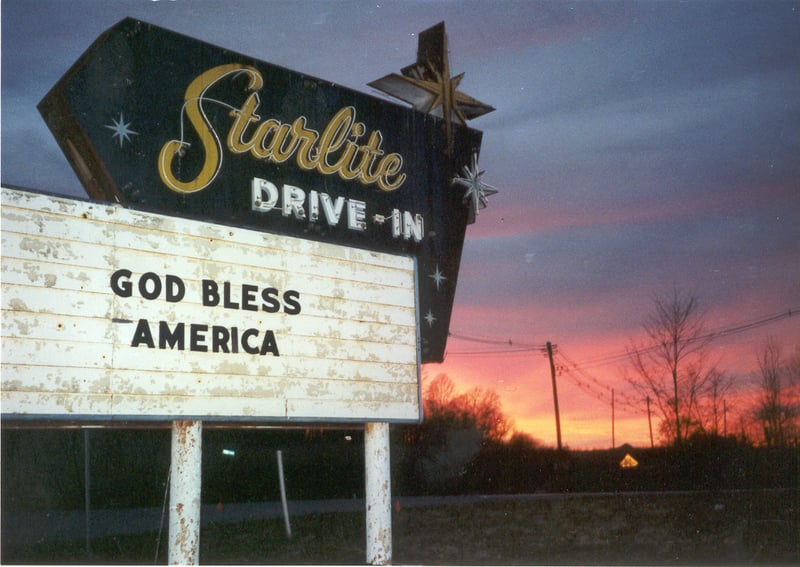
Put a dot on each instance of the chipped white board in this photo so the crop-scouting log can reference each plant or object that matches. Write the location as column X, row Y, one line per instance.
column 220, row 322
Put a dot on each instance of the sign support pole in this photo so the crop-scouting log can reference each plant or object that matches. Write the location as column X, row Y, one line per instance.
column 284, row 504
column 87, row 489
column 184, row 494
column 378, row 493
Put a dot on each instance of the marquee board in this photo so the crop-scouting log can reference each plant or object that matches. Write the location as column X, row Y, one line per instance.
column 161, row 120
column 114, row 313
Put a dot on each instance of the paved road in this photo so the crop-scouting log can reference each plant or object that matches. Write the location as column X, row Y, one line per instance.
column 71, row 525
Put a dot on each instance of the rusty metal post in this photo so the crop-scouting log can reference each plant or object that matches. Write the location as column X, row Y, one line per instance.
column 184, row 493
column 378, row 493
column 87, row 490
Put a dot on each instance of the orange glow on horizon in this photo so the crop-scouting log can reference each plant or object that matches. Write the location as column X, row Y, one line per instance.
column 522, row 381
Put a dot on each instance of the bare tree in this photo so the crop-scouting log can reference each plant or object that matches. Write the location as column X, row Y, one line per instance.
column 476, row 408
column 456, row 427
column 438, row 394
column 777, row 406
column 671, row 364
column 713, row 411
column 483, row 408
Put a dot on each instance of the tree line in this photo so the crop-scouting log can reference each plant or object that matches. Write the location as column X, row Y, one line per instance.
column 675, row 367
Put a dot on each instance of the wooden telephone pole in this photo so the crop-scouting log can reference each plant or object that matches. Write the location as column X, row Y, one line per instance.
column 613, row 438
column 555, row 392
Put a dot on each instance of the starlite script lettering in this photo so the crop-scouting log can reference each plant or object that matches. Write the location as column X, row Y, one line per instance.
column 343, row 147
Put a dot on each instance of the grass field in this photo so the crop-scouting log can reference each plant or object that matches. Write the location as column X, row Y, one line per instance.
column 665, row 529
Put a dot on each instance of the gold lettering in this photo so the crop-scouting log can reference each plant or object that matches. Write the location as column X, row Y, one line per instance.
column 335, row 151
column 388, row 167
column 284, row 144
column 242, row 119
column 308, row 157
column 193, row 99
column 334, row 137
column 260, row 148
column 371, row 151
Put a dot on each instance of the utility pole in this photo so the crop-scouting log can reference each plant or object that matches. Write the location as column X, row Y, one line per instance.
column 650, row 422
column 613, row 438
column 555, row 393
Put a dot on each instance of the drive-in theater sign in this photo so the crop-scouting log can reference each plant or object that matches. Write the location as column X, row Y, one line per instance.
column 261, row 245
column 166, row 124
column 154, row 119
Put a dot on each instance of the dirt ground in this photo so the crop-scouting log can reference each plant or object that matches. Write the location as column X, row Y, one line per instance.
column 656, row 529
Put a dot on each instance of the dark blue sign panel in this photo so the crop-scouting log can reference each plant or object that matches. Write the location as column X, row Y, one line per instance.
column 161, row 121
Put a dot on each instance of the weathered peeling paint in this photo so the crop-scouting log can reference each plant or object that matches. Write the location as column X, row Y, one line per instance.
column 16, row 304
column 350, row 354
column 378, row 492
column 185, row 493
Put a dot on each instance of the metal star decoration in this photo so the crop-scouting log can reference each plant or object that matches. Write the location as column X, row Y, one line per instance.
column 428, row 86
column 429, row 318
column 477, row 192
column 121, row 130
column 437, row 277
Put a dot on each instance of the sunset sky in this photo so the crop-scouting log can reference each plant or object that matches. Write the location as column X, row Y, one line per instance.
column 638, row 147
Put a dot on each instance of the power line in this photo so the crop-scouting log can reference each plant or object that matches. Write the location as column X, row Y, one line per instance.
column 747, row 326
column 488, row 353
column 510, row 347
column 626, row 400
column 586, row 380
column 710, row 336
column 487, row 341
column 514, row 348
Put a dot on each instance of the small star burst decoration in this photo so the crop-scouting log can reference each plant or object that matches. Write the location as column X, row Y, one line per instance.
column 437, row 277
column 429, row 318
column 121, row 130
column 477, row 192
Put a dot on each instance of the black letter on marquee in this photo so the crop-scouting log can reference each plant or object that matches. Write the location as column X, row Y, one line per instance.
column 125, row 289
column 246, row 345
column 142, row 335
column 292, row 306
column 175, row 289
column 235, row 340
column 196, row 339
column 210, row 293
column 249, row 297
column 219, row 339
column 271, row 303
column 269, row 344
column 226, row 297
column 150, row 276
column 167, row 338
